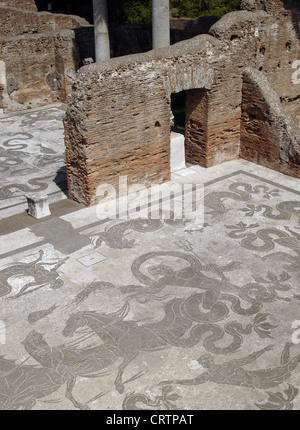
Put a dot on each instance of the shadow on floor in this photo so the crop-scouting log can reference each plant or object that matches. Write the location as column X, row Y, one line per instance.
column 60, row 180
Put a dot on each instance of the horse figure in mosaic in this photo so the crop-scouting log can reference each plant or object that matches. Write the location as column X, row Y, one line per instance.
column 21, row 385
column 183, row 325
column 63, row 364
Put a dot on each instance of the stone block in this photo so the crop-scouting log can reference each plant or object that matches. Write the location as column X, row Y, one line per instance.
column 38, row 206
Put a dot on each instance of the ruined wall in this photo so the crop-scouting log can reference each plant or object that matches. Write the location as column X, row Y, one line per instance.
column 268, row 136
column 136, row 38
column 51, row 78
column 118, row 118
column 129, row 39
column 276, row 48
column 40, row 53
column 39, row 67
column 15, row 22
column 196, row 127
column 128, row 99
column 149, row 155
column 283, row 39
column 103, row 124
column 20, row 4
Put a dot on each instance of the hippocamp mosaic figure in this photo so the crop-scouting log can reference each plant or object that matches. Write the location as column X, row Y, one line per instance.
column 64, row 363
column 114, row 235
column 34, row 269
column 22, row 385
column 127, row 338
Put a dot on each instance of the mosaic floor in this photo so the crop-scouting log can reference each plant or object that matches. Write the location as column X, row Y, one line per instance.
column 150, row 314
column 31, row 157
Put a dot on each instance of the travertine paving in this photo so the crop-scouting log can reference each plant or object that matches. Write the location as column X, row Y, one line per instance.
column 151, row 314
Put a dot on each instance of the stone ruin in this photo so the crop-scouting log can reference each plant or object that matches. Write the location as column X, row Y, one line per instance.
column 242, row 85
column 39, row 55
column 240, row 102
column 40, row 52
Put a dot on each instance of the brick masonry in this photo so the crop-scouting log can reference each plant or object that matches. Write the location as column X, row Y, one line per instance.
column 268, row 137
column 29, row 37
column 40, row 53
column 26, row 5
column 118, row 117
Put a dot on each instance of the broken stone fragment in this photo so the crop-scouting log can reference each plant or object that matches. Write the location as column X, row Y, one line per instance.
column 87, row 61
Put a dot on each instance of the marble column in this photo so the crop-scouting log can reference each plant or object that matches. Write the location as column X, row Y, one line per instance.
column 102, row 46
column 160, row 23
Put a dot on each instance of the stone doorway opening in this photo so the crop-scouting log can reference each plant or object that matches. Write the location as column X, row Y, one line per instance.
column 177, row 161
column 178, row 102
column 188, row 130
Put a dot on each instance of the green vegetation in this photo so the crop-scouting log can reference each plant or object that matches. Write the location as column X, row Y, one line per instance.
column 195, row 8
column 130, row 11
column 140, row 11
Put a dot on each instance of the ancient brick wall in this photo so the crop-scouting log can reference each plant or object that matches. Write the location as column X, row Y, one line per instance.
column 117, row 151
column 268, row 137
column 28, row 5
column 118, row 118
column 57, row 21
column 271, row 48
column 39, row 67
column 278, row 68
column 196, row 127
column 134, row 91
column 108, row 122
column 270, row 6
column 40, row 53
column 16, row 21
